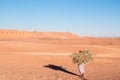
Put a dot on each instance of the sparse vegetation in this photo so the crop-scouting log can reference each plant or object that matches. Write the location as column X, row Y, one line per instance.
column 82, row 57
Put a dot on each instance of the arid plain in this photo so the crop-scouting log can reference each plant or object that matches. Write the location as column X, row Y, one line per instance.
column 37, row 55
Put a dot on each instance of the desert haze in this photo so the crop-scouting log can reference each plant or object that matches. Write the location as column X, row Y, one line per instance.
column 38, row 55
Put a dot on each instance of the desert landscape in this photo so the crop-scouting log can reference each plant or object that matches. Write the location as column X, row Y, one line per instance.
column 36, row 55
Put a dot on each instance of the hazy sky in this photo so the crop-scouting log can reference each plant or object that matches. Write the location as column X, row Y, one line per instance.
column 82, row 17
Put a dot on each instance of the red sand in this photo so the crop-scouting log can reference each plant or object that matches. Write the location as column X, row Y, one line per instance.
column 43, row 56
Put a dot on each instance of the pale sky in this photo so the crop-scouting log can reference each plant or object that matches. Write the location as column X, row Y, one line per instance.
column 98, row 18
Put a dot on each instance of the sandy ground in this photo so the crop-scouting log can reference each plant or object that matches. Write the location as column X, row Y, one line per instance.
column 49, row 59
column 55, row 67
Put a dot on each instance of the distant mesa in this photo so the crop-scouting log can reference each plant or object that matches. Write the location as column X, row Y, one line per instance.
column 37, row 34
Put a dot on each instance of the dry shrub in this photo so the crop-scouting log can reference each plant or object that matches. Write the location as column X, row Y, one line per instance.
column 82, row 57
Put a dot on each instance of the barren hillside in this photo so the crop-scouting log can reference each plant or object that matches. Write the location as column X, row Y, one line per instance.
column 14, row 34
column 65, row 42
